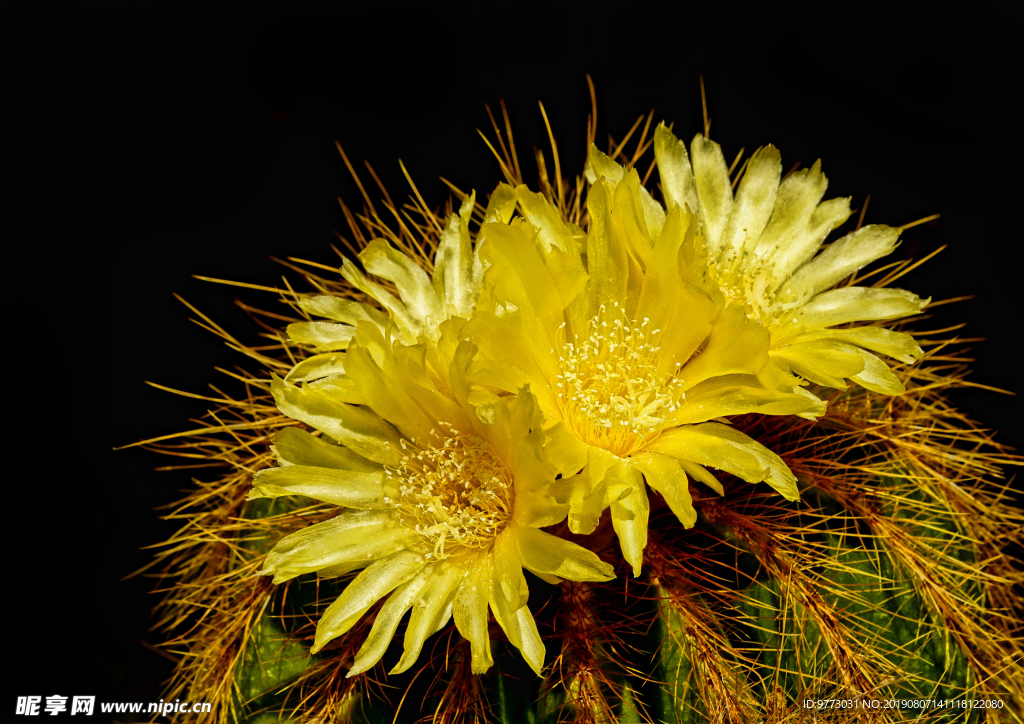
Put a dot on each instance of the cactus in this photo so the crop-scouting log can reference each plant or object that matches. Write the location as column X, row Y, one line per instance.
column 885, row 594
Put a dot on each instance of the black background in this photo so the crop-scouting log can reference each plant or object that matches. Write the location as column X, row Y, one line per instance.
column 147, row 145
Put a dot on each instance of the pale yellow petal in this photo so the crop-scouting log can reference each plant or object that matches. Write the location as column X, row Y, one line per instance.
column 331, row 485
column 368, row 587
column 335, row 387
column 677, row 182
column 600, row 165
column 358, row 429
column 428, row 612
column 842, row 258
column 714, row 190
column 381, row 259
column 798, row 196
column 295, row 446
column 508, row 582
column 854, row 304
column 792, row 251
column 317, row 367
column 607, row 260
column 455, row 275
column 755, row 199
column 665, row 475
column 471, row 613
column 877, row 377
column 629, row 519
column 530, row 643
column 356, row 536
column 501, row 205
column 720, row 446
column 740, row 395
column 409, row 325
column 322, row 336
column 826, row 362
column 546, row 553
column 553, row 231
column 386, row 623
column 878, row 339
column 342, row 310
column 698, row 472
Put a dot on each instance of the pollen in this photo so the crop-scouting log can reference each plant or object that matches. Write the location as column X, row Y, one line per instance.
column 456, row 494
column 609, row 388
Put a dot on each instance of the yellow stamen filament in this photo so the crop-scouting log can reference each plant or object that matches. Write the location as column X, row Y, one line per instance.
column 457, row 495
column 610, row 391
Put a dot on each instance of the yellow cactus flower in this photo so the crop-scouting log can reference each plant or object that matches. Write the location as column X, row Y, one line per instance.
column 442, row 510
column 761, row 248
column 630, row 361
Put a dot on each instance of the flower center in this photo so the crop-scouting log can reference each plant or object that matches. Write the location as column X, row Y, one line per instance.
column 610, row 391
column 747, row 282
column 457, row 495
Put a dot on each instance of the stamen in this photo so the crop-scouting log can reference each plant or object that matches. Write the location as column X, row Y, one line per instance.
column 456, row 494
column 611, row 393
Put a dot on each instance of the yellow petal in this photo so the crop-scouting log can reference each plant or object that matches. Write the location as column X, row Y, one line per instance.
column 607, row 262
column 785, row 236
column 740, row 395
column 822, row 361
column 721, row 446
column 471, row 614
column 599, row 165
column 386, row 396
column 877, row 377
column 386, row 623
column 564, row 450
column 806, row 240
column 501, row 205
column 317, row 367
column 842, row 258
column 381, row 259
column 361, row 430
column 553, row 232
column 664, row 474
column 334, row 387
column 322, row 336
column 754, row 201
column 456, row 271
column 368, row 587
column 509, row 587
column 677, row 182
column 737, row 345
column 714, row 190
column 295, row 446
column 342, row 310
column 529, row 641
column 629, row 519
column 358, row 536
column 697, row 472
column 878, row 339
column 428, row 612
column 854, row 304
column 519, row 272
column 546, row 553
column 340, row 487
column 409, row 325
